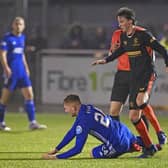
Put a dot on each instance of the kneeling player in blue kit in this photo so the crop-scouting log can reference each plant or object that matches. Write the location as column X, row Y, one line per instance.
column 116, row 138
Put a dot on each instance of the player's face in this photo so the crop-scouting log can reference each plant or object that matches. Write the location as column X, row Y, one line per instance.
column 124, row 23
column 70, row 108
column 18, row 26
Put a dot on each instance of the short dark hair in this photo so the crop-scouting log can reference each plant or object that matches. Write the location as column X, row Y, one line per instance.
column 127, row 13
column 72, row 98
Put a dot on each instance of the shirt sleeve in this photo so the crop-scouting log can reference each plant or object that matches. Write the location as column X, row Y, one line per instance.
column 4, row 44
column 81, row 132
column 115, row 54
column 114, row 39
column 154, row 44
column 67, row 138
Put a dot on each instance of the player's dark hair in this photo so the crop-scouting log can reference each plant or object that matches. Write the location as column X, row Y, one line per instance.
column 127, row 13
column 72, row 99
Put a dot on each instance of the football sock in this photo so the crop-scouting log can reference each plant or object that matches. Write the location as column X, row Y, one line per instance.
column 2, row 112
column 30, row 109
column 149, row 113
column 143, row 132
column 144, row 118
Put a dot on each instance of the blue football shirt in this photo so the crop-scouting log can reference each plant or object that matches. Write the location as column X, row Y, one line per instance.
column 91, row 120
column 14, row 46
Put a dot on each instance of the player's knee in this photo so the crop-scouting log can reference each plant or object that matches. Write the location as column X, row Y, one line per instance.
column 141, row 103
column 4, row 101
column 97, row 152
column 29, row 96
column 142, row 100
column 94, row 154
column 134, row 115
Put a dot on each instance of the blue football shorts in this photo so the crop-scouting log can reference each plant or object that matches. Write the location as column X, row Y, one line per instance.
column 15, row 82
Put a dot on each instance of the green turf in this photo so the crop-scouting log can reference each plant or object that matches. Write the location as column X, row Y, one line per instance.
column 23, row 149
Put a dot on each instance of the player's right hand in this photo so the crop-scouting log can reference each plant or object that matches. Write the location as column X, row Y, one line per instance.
column 8, row 72
column 101, row 61
column 167, row 69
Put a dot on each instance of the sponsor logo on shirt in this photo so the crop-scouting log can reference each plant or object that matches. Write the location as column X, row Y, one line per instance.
column 134, row 53
column 18, row 50
column 125, row 43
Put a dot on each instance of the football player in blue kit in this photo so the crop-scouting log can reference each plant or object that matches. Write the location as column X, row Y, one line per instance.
column 116, row 138
column 16, row 73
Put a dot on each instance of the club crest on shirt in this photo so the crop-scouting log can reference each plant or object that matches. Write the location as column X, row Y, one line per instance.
column 78, row 130
column 125, row 42
column 136, row 42
column 14, row 42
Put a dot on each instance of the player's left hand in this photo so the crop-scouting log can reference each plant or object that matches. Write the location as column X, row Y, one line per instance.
column 28, row 72
column 167, row 69
column 101, row 61
column 46, row 156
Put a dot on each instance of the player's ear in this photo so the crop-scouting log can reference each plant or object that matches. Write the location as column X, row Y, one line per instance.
column 131, row 21
column 75, row 108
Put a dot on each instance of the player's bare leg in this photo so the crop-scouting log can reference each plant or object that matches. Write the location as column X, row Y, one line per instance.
column 115, row 109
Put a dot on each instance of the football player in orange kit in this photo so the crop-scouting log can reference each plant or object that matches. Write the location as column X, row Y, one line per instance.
column 120, row 89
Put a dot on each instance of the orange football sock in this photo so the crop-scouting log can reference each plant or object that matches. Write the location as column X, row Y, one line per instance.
column 149, row 113
column 143, row 132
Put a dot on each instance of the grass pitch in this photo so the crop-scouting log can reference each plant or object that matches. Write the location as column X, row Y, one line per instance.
column 22, row 148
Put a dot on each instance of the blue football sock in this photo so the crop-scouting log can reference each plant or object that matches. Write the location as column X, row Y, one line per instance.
column 30, row 109
column 2, row 112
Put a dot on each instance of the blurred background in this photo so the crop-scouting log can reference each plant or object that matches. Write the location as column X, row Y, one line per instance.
column 65, row 36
